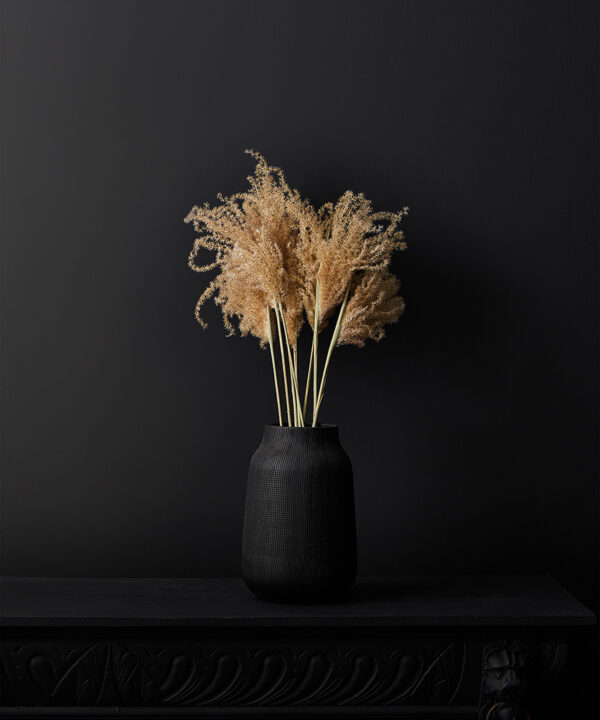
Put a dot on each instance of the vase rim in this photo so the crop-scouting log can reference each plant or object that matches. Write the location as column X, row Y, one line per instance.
column 319, row 426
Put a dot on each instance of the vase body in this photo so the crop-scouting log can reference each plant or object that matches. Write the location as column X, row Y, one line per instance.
column 299, row 538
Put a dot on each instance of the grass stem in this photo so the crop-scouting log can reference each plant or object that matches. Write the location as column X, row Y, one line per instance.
column 270, row 334
column 332, row 344
column 285, row 382
column 298, row 419
column 308, row 376
column 315, row 353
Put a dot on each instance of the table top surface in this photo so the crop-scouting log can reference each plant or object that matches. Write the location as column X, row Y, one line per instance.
column 400, row 601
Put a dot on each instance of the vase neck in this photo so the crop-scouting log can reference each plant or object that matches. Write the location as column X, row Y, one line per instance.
column 320, row 434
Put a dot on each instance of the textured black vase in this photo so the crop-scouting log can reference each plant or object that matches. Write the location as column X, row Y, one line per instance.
column 299, row 540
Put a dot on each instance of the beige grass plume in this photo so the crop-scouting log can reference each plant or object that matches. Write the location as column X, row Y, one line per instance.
column 253, row 235
column 279, row 259
column 373, row 303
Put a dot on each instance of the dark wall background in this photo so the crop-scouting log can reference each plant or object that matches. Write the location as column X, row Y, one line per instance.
column 472, row 427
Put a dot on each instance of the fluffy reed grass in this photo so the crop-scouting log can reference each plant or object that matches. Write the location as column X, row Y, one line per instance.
column 281, row 262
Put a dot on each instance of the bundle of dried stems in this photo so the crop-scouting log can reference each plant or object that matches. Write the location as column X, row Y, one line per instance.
column 281, row 261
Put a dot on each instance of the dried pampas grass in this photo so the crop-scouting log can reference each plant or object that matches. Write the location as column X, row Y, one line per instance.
column 281, row 262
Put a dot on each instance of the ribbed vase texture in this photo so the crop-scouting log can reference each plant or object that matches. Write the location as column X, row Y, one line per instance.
column 299, row 539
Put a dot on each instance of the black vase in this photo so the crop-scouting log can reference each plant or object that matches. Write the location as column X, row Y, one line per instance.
column 299, row 539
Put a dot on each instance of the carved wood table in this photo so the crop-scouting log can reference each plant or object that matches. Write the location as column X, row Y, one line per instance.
column 465, row 647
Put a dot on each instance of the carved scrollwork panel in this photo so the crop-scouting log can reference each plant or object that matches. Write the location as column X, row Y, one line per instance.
column 195, row 674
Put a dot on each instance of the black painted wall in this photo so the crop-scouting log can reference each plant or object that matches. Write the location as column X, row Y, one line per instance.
column 473, row 427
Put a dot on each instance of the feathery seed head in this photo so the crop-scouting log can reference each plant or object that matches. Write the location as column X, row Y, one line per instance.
column 272, row 247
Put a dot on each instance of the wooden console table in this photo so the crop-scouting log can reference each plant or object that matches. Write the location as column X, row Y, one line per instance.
column 465, row 647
